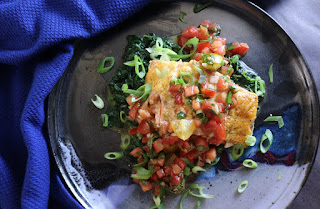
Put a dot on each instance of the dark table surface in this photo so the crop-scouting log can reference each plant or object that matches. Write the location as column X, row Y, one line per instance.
column 301, row 20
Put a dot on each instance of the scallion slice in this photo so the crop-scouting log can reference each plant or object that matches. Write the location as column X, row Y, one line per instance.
column 260, row 82
column 278, row 119
column 98, row 102
column 125, row 142
column 243, row 186
column 249, row 163
column 190, row 81
column 105, row 120
column 197, row 9
column 101, row 68
column 142, row 173
column 201, row 194
column 137, row 62
column 202, row 77
column 237, row 151
column 271, row 73
column 145, row 160
column 279, row 176
column 163, row 72
column 184, row 194
column 230, row 47
column 157, row 200
column 143, row 91
column 197, row 169
column 266, row 141
column 181, row 115
column 229, row 96
column 193, row 42
column 198, row 204
column 123, row 120
column 251, row 140
column 113, row 155
column 181, row 16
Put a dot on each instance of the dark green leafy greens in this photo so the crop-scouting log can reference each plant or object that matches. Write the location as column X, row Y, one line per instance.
column 126, row 74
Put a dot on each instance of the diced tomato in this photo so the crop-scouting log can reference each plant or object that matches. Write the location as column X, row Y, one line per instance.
column 221, row 131
column 157, row 145
column 180, row 162
column 174, row 89
column 167, row 170
column 161, row 161
column 203, row 45
column 136, row 152
column 222, row 85
column 170, row 139
column 153, row 161
column 198, row 57
column 234, row 101
column 166, row 179
column 191, row 90
column 154, row 177
column 145, row 139
column 193, row 154
column 200, row 163
column 208, row 92
column 182, row 40
column 211, row 155
column 210, row 127
column 186, row 146
column 140, row 159
column 146, row 148
column 146, row 186
column 206, row 50
column 226, row 70
column 196, row 105
column 144, row 114
column 218, row 118
column 190, row 32
column 133, row 131
column 176, row 169
column 175, row 181
column 208, row 108
column 156, row 168
column 197, row 121
column 178, row 99
column 203, row 33
column 133, row 111
column 222, row 40
column 221, row 97
column 201, row 142
column 144, row 127
column 156, row 190
column 160, row 173
column 208, row 24
column 240, row 49
column 216, row 44
column 216, row 141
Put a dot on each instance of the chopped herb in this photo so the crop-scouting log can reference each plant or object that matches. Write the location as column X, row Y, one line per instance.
column 198, row 204
column 125, row 142
column 105, row 120
column 230, row 47
column 181, row 16
column 197, row 9
column 181, row 115
column 271, row 73
column 278, row 119
column 98, row 102
column 196, row 169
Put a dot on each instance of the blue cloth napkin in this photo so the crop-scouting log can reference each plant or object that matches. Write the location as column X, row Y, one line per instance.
column 36, row 45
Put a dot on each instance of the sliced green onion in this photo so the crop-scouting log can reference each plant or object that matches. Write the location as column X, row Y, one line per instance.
column 149, row 143
column 125, row 142
column 143, row 91
column 184, row 194
column 181, row 16
column 186, row 171
column 249, row 163
column 123, row 120
column 181, row 115
column 137, row 62
column 197, row 9
column 145, row 160
column 197, row 169
column 279, row 176
column 157, row 200
column 242, row 186
column 101, row 68
column 113, row 155
column 230, row 47
column 267, row 137
column 198, row 204
column 271, row 73
column 159, row 44
column 192, row 41
column 191, row 78
column 163, row 72
column 201, row 194
column 260, row 82
column 142, row 173
column 202, row 77
column 229, row 96
column 237, row 151
column 105, row 120
column 278, row 119
column 98, row 102
column 251, row 140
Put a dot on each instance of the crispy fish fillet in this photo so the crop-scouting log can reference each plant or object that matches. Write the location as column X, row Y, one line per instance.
column 239, row 120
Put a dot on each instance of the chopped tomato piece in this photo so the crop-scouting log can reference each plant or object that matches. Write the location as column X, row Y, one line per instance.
column 190, row 32
column 144, row 114
column 178, row 99
column 167, row 170
column 210, row 127
column 157, row 145
column 175, row 181
column 160, row 173
column 216, row 141
column 221, row 131
column 146, row 148
column 170, row 139
column 193, row 154
column 180, row 162
column 182, row 40
column 154, row 177
column 208, row 108
column 208, row 92
column 210, row 155
column 240, row 49
column 198, row 57
column 203, row 45
column 161, row 161
column 191, row 90
column 210, row 25
column 145, row 139
column 156, row 190
column 133, row 111
column 145, row 186
column 176, row 169
column 222, row 85
column 203, row 33
column 133, row 131
column 174, row 89
column 144, row 127
column 156, row 168
column 136, row 152
column 221, row 97
column 226, row 70
column 201, row 144
column 197, row 121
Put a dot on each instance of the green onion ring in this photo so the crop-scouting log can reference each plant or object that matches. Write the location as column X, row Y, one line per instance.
column 201, row 194
column 101, row 68
column 202, row 77
column 113, row 155
column 191, row 82
column 145, row 160
column 125, row 142
column 138, row 62
column 249, row 163
column 242, row 186
column 266, row 136
column 143, row 91
column 197, row 169
column 159, row 44
column 184, row 194
column 105, row 120
column 98, row 102
column 181, row 16
column 251, row 140
column 194, row 42
column 278, row 119
column 123, row 120
column 237, row 151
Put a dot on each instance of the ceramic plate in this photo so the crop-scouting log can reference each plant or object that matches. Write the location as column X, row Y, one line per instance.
column 79, row 143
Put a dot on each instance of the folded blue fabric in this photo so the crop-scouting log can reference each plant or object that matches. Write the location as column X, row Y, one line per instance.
column 36, row 45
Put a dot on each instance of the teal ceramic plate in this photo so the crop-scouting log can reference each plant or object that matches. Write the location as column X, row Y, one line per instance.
column 78, row 142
